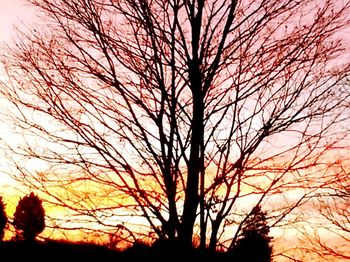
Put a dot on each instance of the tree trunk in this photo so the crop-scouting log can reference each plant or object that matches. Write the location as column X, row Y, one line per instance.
column 196, row 160
column 213, row 236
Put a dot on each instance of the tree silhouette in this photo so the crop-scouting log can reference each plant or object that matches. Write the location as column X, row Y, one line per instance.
column 29, row 217
column 334, row 211
column 3, row 218
column 254, row 242
column 177, row 112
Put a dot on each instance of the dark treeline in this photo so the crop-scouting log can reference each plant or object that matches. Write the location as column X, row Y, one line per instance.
column 42, row 251
column 29, row 221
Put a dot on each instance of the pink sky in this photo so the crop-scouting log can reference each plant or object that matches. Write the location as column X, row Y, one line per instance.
column 13, row 12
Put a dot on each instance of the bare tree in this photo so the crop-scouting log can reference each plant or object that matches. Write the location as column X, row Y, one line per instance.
column 333, row 241
column 179, row 113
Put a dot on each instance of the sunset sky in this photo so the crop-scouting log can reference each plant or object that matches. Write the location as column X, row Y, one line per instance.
column 13, row 12
column 17, row 13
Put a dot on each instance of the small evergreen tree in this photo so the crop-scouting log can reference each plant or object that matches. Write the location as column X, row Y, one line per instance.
column 254, row 243
column 29, row 217
column 3, row 219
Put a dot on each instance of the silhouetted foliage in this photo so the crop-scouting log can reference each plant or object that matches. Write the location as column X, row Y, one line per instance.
column 254, row 243
column 56, row 250
column 85, row 251
column 139, row 249
column 29, row 217
column 168, row 247
column 3, row 218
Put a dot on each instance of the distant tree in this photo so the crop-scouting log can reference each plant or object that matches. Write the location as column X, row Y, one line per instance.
column 254, row 242
column 29, row 217
column 3, row 218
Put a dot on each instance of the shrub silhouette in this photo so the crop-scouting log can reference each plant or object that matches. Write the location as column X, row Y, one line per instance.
column 254, row 243
column 3, row 219
column 29, row 217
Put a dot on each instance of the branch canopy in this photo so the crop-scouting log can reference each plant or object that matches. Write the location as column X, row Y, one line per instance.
column 180, row 113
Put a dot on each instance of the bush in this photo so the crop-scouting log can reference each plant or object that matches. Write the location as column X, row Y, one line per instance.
column 29, row 217
column 3, row 218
